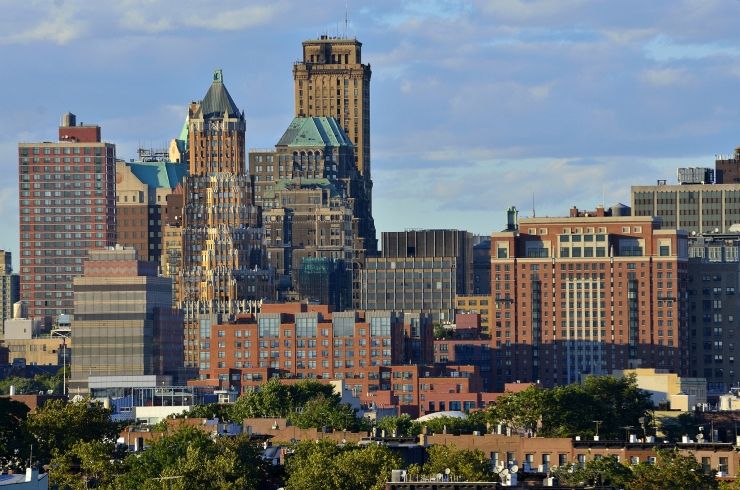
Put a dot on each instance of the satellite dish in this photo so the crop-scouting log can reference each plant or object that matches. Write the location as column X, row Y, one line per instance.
column 504, row 472
column 514, row 468
column 447, row 471
column 439, row 476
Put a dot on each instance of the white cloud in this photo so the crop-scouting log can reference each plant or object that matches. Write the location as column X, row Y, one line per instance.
column 59, row 26
column 663, row 77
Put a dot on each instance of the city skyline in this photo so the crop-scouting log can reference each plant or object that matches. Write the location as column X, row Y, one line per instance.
column 531, row 92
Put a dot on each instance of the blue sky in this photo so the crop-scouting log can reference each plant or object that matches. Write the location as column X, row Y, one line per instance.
column 476, row 105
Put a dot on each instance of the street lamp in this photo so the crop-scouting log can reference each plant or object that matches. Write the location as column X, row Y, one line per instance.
column 598, row 423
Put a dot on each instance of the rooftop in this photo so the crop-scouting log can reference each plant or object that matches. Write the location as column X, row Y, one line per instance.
column 218, row 101
column 159, row 174
column 314, row 132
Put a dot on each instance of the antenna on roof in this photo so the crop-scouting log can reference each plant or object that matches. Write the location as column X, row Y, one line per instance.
column 534, row 214
column 346, row 17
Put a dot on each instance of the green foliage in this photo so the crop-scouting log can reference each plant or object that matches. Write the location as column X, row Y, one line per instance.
column 400, row 426
column 672, row 470
column 327, row 412
column 308, row 404
column 602, row 471
column 275, row 399
column 675, row 427
column 470, row 465
column 190, row 459
column 566, row 411
column 60, row 425
column 32, row 386
column 84, row 465
column 441, row 333
column 14, row 439
column 475, row 421
column 326, row 465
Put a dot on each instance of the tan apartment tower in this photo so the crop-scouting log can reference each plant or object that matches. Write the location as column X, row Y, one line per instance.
column 332, row 81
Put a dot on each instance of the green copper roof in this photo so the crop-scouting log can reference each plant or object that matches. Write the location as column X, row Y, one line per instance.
column 314, row 131
column 284, row 184
column 159, row 174
column 218, row 100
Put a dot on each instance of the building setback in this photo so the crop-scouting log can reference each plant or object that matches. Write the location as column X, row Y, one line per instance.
column 124, row 323
column 588, row 294
column 67, row 207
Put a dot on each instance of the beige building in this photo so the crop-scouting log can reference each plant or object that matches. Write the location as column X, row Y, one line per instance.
column 477, row 303
column 669, row 388
column 332, row 81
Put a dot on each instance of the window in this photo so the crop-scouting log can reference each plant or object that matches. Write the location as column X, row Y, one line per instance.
column 269, row 327
column 344, row 326
column 380, row 326
column 305, row 327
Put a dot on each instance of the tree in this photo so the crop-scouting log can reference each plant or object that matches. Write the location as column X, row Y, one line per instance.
column 401, row 426
column 207, row 411
column 190, row 459
column 327, row 412
column 618, row 402
column 674, row 428
column 674, row 471
column 466, row 464
column 521, row 411
column 275, row 399
column 59, row 425
column 326, row 465
column 85, row 464
column 454, row 425
column 14, row 438
column 602, row 471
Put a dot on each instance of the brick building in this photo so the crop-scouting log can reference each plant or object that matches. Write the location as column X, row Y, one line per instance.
column 10, row 286
column 67, row 207
column 588, row 294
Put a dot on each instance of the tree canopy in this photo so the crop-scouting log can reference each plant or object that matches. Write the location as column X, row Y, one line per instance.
column 571, row 410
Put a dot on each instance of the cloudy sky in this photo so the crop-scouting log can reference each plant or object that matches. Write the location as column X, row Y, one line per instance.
column 476, row 105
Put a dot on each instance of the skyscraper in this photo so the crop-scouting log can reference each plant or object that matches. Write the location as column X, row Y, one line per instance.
column 332, row 81
column 67, row 207
column 221, row 240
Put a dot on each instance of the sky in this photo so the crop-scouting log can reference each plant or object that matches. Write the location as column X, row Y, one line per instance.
column 475, row 105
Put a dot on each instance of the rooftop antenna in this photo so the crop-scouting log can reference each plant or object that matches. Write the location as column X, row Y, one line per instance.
column 346, row 17
column 534, row 214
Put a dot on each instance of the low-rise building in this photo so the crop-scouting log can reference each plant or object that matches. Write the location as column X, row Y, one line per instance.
column 669, row 389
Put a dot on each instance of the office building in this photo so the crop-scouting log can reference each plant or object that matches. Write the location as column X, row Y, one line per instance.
column 588, row 294
column 11, row 286
column 148, row 198
column 222, row 253
column 713, row 305
column 67, row 207
column 421, row 270
column 124, row 323
column 331, row 81
column 481, row 265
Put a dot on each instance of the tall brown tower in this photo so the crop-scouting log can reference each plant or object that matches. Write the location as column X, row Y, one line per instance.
column 221, row 234
column 332, row 81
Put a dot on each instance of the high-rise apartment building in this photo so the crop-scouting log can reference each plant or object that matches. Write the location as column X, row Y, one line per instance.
column 124, row 323
column 221, row 236
column 420, row 270
column 588, row 294
column 332, row 81
column 148, row 198
column 713, row 307
column 9, row 286
column 67, row 207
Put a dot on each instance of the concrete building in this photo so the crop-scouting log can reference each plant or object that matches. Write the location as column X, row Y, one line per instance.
column 700, row 208
column 421, row 270
column 669, row 389
column 67, row 207
column 124, row 322
column 149, row 198
column 588, row 294
column 713, row 305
